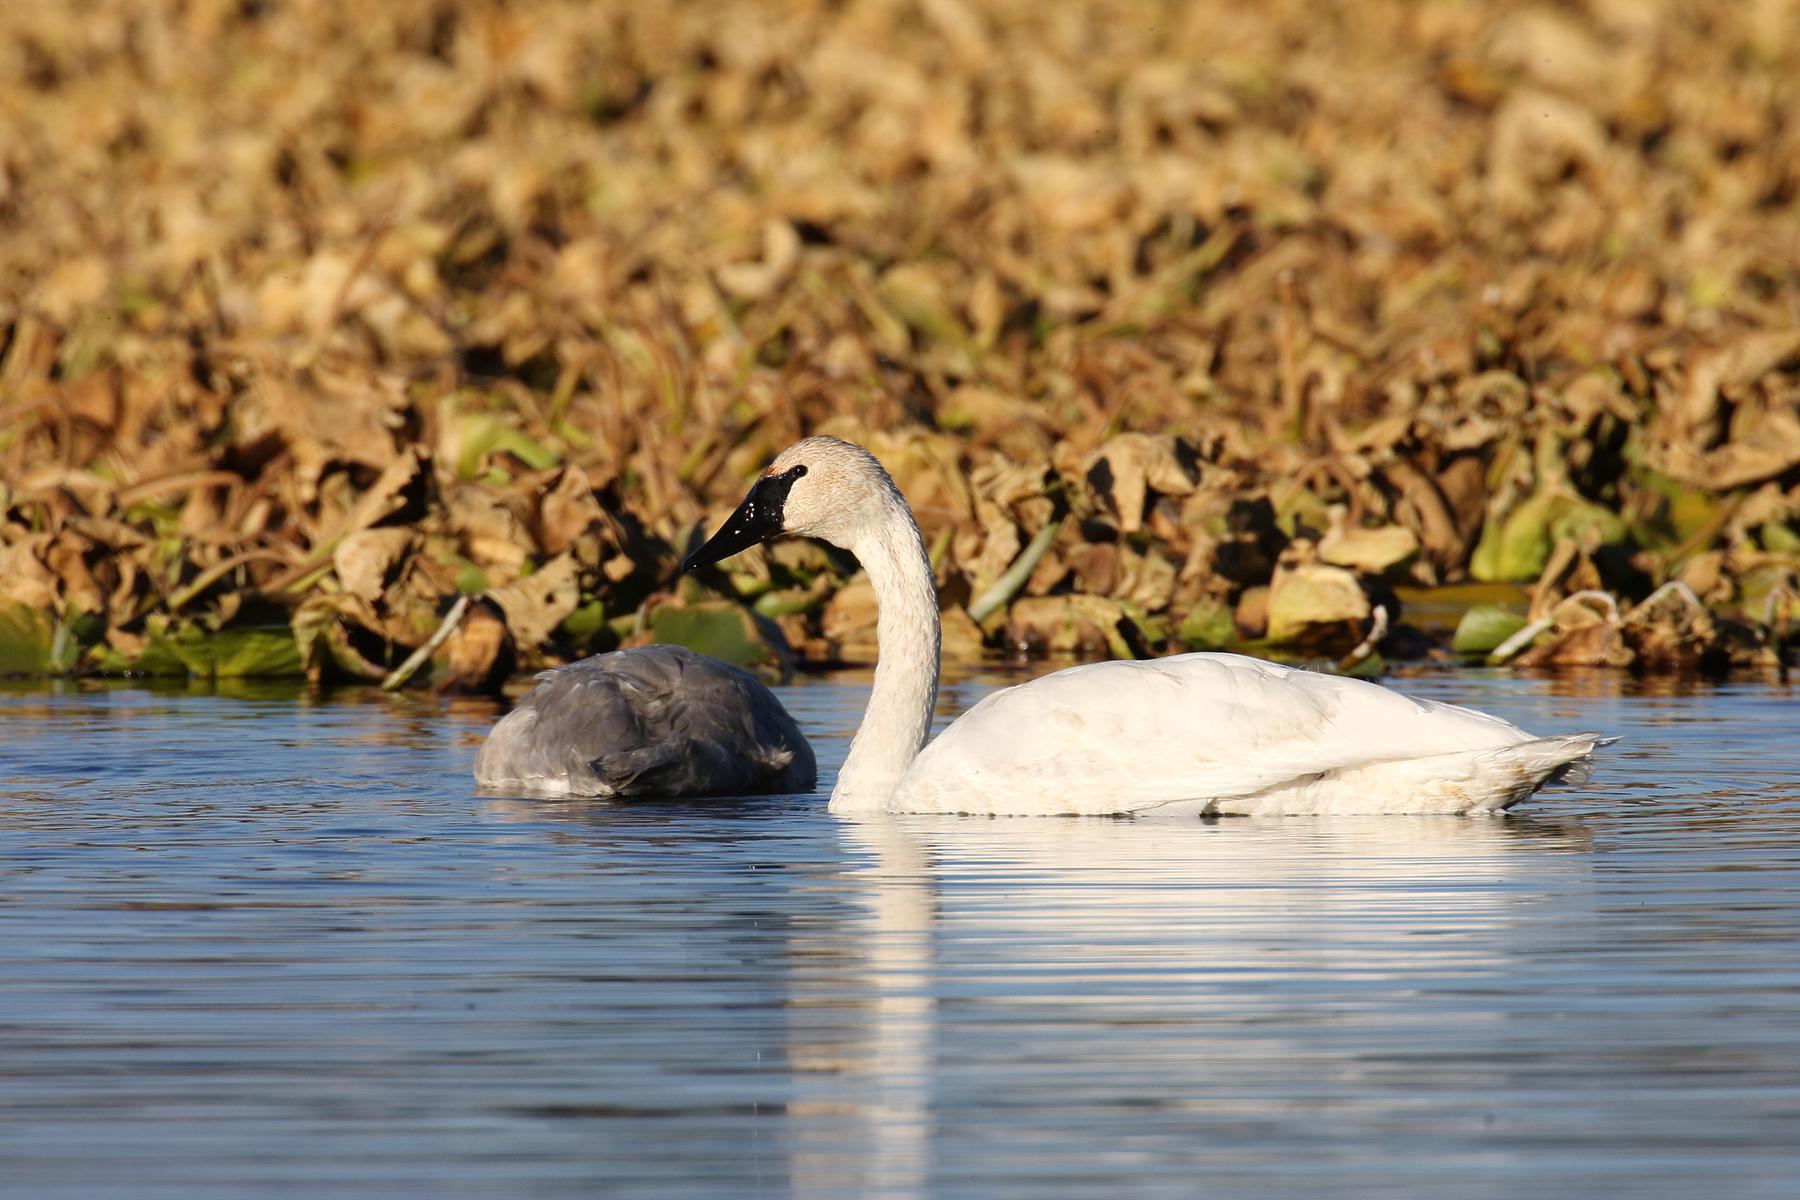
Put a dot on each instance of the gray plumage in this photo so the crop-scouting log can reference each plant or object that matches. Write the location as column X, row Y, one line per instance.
column 652, row 721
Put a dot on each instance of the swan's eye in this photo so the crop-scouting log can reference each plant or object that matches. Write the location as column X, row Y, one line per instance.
column 797, row 471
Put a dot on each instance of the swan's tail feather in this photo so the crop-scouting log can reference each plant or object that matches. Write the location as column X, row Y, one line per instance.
column 1578, row 769
column 1561, row 758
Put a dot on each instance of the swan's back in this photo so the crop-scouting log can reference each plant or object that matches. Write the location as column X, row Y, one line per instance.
column 650, row 721
column 1222, row 733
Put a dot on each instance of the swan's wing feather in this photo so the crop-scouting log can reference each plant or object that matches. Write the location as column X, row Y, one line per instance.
column 655, row 720
column 1127, row 736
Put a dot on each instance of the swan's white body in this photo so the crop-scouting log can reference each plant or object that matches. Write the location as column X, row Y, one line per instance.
column 1224, row 734
column 1197, row 733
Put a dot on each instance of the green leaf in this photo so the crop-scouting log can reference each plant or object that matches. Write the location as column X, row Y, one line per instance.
column 1152, row 630
column 585, row 624
column 25, row 638
column 1779, row 538
column 230, row 653
column 1207, row 626
column 471, row 580
column 1370, row 666
column 723, row 630
column 1484, row 627
column 483, row 433
column 31, row 644
column 1517, row 546
column 787, row 601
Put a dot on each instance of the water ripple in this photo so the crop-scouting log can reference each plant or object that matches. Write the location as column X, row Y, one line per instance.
column 256, row 943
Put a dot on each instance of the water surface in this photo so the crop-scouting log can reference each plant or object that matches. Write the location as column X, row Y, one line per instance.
column 253, row 943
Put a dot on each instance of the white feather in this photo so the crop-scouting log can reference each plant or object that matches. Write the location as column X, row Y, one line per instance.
column 1222, row 733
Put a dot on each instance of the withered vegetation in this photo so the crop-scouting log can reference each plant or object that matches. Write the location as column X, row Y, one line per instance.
column 1203, row 325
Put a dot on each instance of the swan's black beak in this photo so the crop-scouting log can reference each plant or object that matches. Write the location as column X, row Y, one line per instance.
column 757, row 519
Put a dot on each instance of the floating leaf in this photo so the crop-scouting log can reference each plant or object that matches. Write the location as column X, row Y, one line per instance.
column 233, row 653
column 1484, row 627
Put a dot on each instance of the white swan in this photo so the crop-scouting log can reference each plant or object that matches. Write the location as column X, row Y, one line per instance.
column 652, row 721
column 1196, row 733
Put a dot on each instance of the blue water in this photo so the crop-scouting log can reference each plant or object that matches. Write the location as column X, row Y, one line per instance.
column 257, row 944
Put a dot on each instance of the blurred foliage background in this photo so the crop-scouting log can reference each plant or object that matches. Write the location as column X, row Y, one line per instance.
column 1247, row 324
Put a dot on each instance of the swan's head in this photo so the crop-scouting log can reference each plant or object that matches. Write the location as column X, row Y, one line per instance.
column 818, row 487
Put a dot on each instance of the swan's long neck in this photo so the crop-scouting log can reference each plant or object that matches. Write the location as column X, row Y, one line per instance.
column 894, row 730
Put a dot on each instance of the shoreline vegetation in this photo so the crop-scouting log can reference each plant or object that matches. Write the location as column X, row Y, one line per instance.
column 1364, row 332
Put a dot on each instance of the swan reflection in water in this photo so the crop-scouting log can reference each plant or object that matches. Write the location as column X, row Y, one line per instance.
column 1194, row 971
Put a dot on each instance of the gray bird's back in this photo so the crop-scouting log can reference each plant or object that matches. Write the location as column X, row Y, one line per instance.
column 650, row 721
